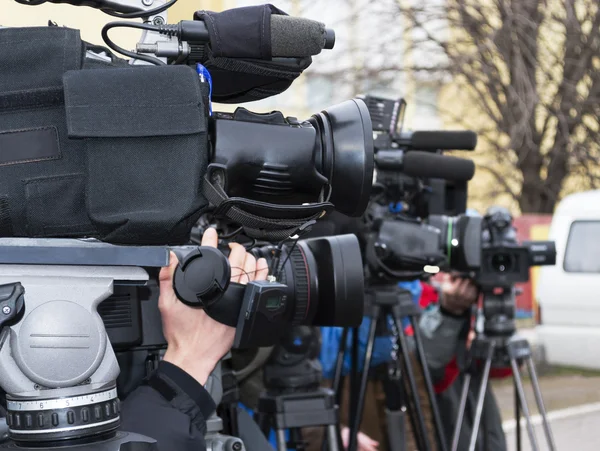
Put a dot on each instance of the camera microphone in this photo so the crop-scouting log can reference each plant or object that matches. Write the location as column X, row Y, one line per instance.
column 425, row 165
column 438, row 140
column 294, row 37
column 431, row 165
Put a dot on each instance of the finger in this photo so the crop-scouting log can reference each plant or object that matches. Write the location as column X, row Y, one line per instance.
column 165, row 280
column 249, row 269
column 367, row 442
column 236, row 261
column 464, row 287
column 262, row 269
column 346, row 437
column 210, row 238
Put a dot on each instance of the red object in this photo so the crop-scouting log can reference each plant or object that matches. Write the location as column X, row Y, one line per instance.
column 429, row 296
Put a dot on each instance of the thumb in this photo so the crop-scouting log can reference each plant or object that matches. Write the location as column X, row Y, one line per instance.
column 165, row 277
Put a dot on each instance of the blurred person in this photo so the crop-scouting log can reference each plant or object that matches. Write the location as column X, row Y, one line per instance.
column 447, row 330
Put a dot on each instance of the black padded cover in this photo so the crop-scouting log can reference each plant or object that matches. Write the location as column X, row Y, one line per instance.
column 106, row 150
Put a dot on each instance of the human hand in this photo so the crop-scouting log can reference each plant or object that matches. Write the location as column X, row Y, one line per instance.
column 196, row 342
column 365, row 443
column 458, row 294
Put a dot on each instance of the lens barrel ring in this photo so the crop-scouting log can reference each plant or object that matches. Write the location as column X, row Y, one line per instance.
column 301, row 285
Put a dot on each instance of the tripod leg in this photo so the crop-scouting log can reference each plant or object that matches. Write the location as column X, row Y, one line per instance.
column 540, row 403
column 337, row 384
column 437, row 419
column 523, row 402
column 332, row 438
column 461, row 411
column 414, row 395
column 357, row 419
column 396, row 429
column 281, row 443
column 354, row 384
column 481, row 397
column 339, row 366
column 517, row 417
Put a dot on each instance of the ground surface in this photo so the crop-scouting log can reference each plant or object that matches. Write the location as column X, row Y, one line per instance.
column 573, row 399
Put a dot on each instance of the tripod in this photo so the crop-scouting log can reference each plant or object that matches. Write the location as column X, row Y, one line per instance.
column 384, row 301
column 499, row 346
column 293, row 398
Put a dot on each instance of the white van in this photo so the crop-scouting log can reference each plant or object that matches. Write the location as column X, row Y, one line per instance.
column 569, row 292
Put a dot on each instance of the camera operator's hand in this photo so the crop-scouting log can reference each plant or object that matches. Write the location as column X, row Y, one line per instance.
column 196, row 342
column 365, row 443
column 458, row 294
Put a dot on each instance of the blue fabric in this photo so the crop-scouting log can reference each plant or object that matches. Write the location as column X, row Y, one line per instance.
column 382, row 349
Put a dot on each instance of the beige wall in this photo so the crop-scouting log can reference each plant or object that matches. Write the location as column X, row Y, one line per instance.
column 90, row 21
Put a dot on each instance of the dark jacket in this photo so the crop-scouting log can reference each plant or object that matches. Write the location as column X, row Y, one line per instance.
column 171, row 407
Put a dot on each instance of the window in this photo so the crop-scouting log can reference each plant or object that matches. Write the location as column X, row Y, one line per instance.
column 583, row 247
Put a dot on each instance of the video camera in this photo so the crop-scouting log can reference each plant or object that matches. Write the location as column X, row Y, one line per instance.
column 415, row 215
column 432, row 228
column 504, row 261
column 107, row 164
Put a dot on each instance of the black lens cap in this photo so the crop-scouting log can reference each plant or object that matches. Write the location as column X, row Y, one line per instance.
column 202, row 277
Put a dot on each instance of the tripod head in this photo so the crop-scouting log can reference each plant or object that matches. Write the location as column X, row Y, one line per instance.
column 499, row 311
column 57, row 366
column 294, row 365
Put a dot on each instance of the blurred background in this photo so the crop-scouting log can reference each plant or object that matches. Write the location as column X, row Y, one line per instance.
column 524, row 75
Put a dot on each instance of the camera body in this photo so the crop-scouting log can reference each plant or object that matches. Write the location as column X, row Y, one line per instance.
column 504, row 261
column 416, row 214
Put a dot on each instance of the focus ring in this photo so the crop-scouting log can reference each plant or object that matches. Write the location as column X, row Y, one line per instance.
column 301, row 286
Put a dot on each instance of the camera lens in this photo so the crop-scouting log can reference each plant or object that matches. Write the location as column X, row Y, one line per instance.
column 502, row 262
column 325, row 281
column 346, row 137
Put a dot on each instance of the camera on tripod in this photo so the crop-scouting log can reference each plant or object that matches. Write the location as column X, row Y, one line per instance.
column 432, row 229
column 412, row 174
column 504, row 260
column 109, row 162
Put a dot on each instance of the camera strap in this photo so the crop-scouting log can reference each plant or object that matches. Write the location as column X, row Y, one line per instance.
column 255, row 225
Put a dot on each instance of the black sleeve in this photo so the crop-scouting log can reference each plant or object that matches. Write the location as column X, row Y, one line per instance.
column 170, row 407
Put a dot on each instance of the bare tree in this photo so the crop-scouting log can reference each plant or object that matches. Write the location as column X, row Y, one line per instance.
column 531, row 69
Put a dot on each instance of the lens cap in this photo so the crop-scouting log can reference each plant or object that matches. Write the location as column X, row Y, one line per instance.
column 201, row 277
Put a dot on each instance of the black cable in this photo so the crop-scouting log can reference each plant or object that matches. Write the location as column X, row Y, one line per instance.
column 121, row 50
column 232, row 234
column 134, row 15
column 287, row 258
column 31, row 2
column 140, row 14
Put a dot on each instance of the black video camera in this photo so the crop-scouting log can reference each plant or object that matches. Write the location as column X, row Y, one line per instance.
column 415, row 217
column 504, row 261
column 133, row 154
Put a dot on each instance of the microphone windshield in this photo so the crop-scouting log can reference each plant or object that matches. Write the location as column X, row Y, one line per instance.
column 294, row 37
column 431, row 165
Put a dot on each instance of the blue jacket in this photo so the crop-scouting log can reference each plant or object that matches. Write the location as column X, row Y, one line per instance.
column 382, row 350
